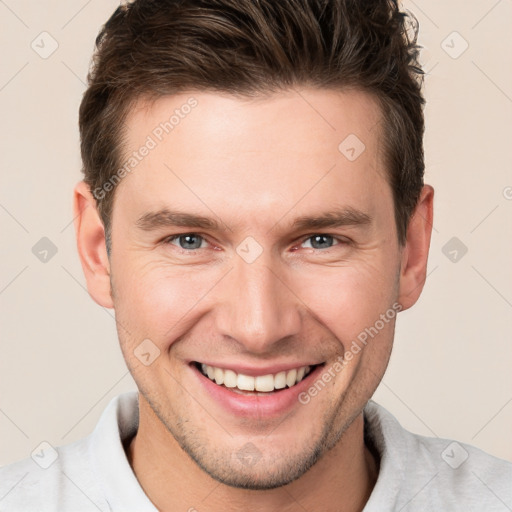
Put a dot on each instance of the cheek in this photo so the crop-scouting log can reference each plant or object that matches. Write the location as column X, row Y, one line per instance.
column 155, row 300
column 348, row 298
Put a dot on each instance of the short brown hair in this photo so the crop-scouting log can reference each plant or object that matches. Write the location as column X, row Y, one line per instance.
column 152, row 48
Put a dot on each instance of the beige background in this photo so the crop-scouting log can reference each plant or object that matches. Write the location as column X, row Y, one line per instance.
column 450, row 372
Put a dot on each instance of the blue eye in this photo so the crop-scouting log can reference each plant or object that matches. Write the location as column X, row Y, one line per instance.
column 193, row 241
column 188, row 241
column 321, row 241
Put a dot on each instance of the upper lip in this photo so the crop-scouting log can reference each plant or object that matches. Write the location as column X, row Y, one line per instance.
column 255, row 371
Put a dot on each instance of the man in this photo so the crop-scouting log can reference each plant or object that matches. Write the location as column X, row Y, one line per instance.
column 254, row 210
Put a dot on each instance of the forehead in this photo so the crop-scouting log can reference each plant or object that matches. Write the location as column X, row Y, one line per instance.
column 321, row 115
column 311, row 146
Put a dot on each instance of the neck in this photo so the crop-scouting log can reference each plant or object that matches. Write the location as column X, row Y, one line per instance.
column 340, row 481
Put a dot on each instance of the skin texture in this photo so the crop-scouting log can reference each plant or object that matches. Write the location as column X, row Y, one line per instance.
column 254, row 166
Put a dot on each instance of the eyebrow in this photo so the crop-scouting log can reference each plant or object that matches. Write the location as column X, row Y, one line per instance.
column 172, row 218
column 333, row 219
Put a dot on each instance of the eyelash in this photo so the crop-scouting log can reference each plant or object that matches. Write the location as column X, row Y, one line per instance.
column 340, row 241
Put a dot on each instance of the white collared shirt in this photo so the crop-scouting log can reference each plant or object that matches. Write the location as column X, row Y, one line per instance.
column 416, row 473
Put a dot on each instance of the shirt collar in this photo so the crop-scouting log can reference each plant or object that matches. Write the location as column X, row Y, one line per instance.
column 118, row 423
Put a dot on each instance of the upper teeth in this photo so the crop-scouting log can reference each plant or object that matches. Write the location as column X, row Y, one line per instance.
column 269, row 382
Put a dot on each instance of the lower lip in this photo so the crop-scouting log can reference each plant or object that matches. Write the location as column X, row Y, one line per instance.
column 267, row 405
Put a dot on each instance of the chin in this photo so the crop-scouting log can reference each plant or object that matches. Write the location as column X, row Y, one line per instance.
column 257, row 474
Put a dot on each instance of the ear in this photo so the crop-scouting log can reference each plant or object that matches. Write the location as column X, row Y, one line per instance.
column 413, row 270
column 90, row 237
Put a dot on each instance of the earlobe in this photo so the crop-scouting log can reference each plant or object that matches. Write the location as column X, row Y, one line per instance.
column 90, row 237
column 415, row 253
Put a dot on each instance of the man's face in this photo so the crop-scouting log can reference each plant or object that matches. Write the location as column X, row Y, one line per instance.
column 260, row 290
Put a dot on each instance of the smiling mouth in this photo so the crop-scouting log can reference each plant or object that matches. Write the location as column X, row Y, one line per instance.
column 259, row 385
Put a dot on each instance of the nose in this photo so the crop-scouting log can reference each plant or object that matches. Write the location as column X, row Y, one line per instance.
column 258, row 307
